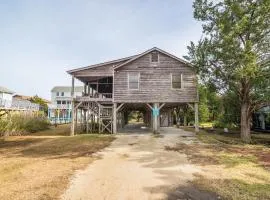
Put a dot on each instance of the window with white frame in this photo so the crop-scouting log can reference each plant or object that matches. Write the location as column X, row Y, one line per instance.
column 177, row 81
column 57, row 94
column 133, row 81
column 62, row 94
column 154, row 57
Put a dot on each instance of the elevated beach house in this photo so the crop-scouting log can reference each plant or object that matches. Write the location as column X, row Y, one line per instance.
column 59, row 111
column 153, row 82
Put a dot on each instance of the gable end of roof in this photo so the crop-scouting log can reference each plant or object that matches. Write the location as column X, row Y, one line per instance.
column 149, row 51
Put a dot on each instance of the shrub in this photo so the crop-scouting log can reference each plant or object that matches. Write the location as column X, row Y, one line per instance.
column 19, row 124
column 36, row 124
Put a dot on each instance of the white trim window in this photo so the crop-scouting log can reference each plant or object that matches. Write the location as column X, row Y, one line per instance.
column 133, row 81
column 177, row 81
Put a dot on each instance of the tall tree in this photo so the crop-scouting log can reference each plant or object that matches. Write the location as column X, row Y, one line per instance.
column 233, row 53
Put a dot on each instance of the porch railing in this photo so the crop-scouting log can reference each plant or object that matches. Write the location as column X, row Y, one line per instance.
column 96, row 96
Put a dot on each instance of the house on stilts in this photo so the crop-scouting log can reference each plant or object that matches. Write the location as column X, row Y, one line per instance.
column 154, row 82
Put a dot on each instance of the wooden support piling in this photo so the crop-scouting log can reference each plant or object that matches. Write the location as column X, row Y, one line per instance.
column 114, row 118
column 196, row 109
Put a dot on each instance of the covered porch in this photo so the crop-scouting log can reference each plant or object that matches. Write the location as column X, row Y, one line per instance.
column 95, row 105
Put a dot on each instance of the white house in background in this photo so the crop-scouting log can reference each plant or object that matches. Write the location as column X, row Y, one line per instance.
column 5, row 97
column 60, row 108
column 9, row 101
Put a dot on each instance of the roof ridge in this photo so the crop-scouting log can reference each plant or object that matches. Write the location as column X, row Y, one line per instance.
column 150, row 50
column 6, row 90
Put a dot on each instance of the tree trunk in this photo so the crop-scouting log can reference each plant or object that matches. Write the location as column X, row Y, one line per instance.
column 245, row 123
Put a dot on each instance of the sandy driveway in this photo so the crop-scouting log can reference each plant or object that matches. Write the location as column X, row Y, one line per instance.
column 137, row 166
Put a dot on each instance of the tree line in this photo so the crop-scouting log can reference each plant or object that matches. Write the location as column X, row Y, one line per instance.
column 232, row 58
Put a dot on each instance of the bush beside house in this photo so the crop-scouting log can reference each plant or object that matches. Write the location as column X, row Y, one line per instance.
column 21, row 124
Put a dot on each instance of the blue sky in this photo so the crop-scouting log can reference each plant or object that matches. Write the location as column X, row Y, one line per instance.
column 40, row 40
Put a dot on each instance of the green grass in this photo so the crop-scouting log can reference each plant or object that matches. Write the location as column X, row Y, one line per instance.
column 235, row 189
column 233, row 137
column 232, row 160
column 231, row 168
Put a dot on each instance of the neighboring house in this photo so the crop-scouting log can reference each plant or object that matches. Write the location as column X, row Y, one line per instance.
column 60, row 107
column 154, row 82
column 9, row 101
column 5, row 97
column 261, row 118
column 22, row 97
column 26, row 101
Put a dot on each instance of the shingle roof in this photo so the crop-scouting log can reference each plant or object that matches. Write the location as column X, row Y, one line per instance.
column 5, row 90
column 67, row 89
column 129, row 59
column 101, row 64
column 150, row 50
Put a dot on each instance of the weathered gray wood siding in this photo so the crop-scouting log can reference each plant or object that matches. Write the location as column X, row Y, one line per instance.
column 155, row 81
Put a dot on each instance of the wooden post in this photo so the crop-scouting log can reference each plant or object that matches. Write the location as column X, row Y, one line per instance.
column 114, row 118
column 72, row 132
column 88, row 89
column 155, row 118
column 87, row 121
column 85, row 89
column 93, row 121
column 73, row 107
column 196, row 109
column 151, row 120
column 84, row 120
column 99, row 120
column 76, row 119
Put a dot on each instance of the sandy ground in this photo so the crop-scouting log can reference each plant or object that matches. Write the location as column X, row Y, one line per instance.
column 137, row 166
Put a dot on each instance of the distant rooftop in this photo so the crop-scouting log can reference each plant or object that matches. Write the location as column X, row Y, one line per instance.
column 67, row 89
column 28, row 98
column 5, row 90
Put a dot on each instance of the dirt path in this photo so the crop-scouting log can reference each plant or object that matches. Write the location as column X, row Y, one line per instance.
column 137, row 166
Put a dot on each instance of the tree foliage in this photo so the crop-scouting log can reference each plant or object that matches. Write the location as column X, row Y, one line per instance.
column 43, row 104
column 233, row 53
column 209, row 105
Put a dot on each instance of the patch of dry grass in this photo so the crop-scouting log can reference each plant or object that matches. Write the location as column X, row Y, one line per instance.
column 63, row 130
column 230, row 168
column 39, row 167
